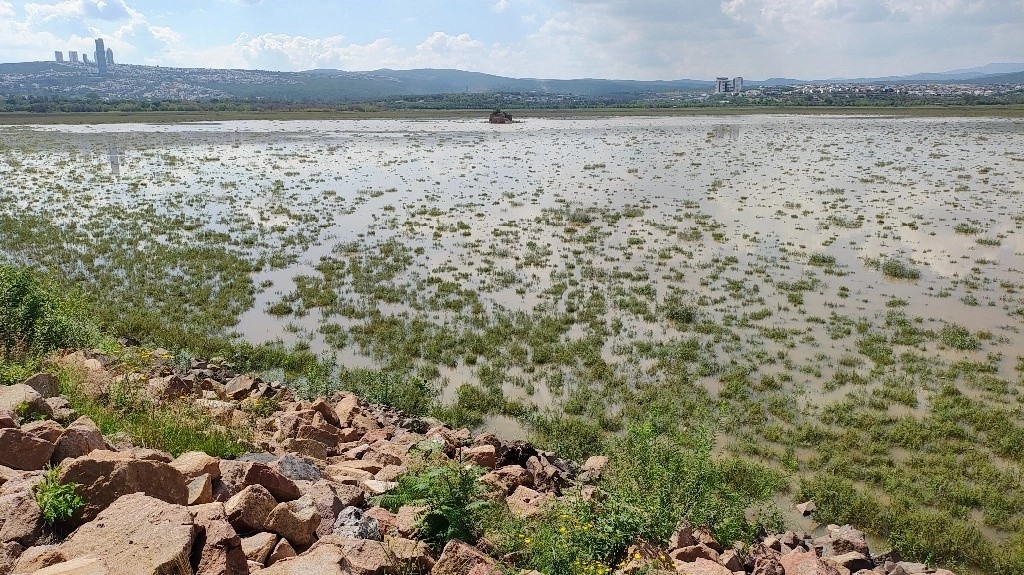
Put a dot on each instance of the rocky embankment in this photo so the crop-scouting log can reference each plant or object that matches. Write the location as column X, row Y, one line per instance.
column 302, row 503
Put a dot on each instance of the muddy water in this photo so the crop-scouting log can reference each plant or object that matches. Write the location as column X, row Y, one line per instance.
column 764, row 193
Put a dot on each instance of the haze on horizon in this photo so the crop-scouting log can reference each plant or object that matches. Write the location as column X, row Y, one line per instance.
column 624, row 39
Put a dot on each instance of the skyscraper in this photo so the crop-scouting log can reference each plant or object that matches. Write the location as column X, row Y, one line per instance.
column 110, row 57
column 58, row 56
column 101, row 57
column 73, row 56
column 85, row 58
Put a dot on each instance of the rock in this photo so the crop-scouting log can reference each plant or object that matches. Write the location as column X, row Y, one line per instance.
column 526, row 502
column 385, row 519
column 458, row 558
column 61, row 409
column 192, row 464
column 805, row 563
column 852, row 561
column 391, row 472
column 95, row 378
column 330, row 499
column 240, row 474
column 731, row 560
column 483, row 455
column 324, row 409
column 283, row 550
column 39, row 557
column 169, row 387
column 702, row 566
column 21, row 519
column 296, row 468
column 137, row 535
column 132, row 452
column 47, row 430
column 23, row 401
column 323, row 560
column 218, row 543
column 691, row 553
column 765, row 560
column 106, row 476
column 506, row 479
column 80, row 438
column 19, row 481
column 257, row 547
column 250, row 509
column 21, row 450
column 366, row 557
column 88, row 565
column 682, row 537
column 845, row 539
column 407, row 519
column 241, row 387
column 352, row 523
column 7, row 420
column 407, row 555
column 296, row 521
column 912, row 568
column 375, row 487
column 44, row 384
column 200, row 490
column 806, row 508
column 9, row 553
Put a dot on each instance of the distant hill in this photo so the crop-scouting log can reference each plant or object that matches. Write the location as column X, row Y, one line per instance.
column 131, row 82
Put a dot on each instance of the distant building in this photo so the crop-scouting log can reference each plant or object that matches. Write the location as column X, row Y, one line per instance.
column 499, row 117
column 101, row 57
column 110, row 57
column 73, row 56
column 58, row 56
column 724, row 85
column 85, row 58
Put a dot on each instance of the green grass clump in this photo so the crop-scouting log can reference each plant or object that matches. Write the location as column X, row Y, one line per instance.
column 659, row 475
column 453, row 497
column 958, row 337
column 898, row 269
column 58, row 501
column 821, row 260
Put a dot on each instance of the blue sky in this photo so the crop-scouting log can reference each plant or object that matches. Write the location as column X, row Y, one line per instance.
column 640, row 39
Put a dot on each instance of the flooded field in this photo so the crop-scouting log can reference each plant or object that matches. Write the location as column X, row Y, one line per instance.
column 847, row 293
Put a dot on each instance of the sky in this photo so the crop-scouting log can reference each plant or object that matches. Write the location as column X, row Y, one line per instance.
column 621, row 39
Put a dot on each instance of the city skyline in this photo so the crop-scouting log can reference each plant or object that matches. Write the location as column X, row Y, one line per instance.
column 635, row 39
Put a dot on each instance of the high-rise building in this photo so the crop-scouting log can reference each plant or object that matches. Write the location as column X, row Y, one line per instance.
column 73, row 56
column 85, row 58
column 110, row 57
column 724, row 85
column 101, row 57
column 737, row 84
column 58, row 56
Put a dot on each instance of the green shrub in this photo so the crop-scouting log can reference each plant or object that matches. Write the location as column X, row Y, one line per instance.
column 36, row 317
column 57, row 500
column 958, row 337
column 453, row 497
column 837, row 500
column 405, row 391
column 898, row 269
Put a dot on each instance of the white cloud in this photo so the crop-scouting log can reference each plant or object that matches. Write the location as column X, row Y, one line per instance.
column 70, row 9
column 500, row 6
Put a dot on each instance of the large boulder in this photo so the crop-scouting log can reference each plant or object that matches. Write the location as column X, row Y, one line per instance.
column 46, row 429
column 330, row 499
column 45, row 384
column 352, row 523
column 250, row 509
column 324, row 560
column 22, row 450
column 702, row 566
column 458, row 558
column 806, row 563
column 105, row 476
column 192, row 464
column 218, row 544
column 23, row 401
column 236, row 475
column 137, row 535
column 258, row 546
column 525, row 502
column 88, row 565
column 80, row 438
column 21, row 519
column 296, row 521
column 367, row 557
column 9, row 553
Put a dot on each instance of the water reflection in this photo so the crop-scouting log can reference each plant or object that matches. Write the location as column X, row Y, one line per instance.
column 114, row 156
column 725, row 133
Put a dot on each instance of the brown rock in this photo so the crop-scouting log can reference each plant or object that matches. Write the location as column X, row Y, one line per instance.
column 731, row 560
column 283, row 550
column 391, row 472
column 19, row 481
column 88, row 565
column 9, row 553
column 693, row 552
column 326, row 411
column 386, row 520
column 192, row 464
column 525, row 502
column 330, row 498
column 367, row 557
column 219, row 544
column 323, row 560
column 296, row 521
column 851, row 561
column 61, row 409
column 137, row 535
column 240, row 387
column 105, row 476
column 702, row 566
column 595, row 464
column 200, row 490
column 22, row 401
column 39, row 557
column 805, row 563
column 345, row 409
column 21, row 450
column 250, row 509
column 458, row 558
column 407, row 519
column 482, row 455
column 240, row 474
column 168, row 387
column 80, row 438
column 374, row 487
column 766, row 560
column 45, row 384
column 21, row 520
column 506, row 479
column 257, row 547
column 7, row 420
column 47, row 430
